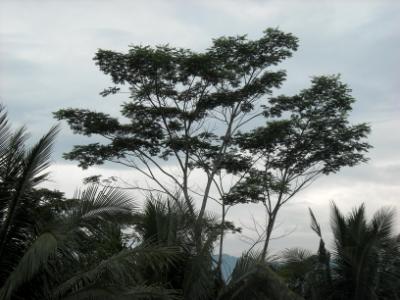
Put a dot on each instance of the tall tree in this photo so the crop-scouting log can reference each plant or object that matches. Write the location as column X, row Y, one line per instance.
column 194, row 109
column 306, row 135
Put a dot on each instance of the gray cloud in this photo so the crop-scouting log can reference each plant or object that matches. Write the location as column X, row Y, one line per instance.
column 46, row 51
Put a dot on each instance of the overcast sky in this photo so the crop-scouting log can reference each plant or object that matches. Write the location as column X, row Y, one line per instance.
column 46, row 51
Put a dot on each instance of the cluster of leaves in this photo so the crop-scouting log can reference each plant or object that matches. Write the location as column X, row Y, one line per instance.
column 364, row 263
column 316, row 138
column 173, row 90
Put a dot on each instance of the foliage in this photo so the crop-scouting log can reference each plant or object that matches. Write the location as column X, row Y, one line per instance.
column 364, row 263
column 199, row 111
column 195, row 109
column 54, row 248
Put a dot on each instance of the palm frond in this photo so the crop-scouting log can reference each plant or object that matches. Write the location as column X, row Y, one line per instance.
column 366, row 254
column 338, row 224
column 106, row 292
column 106, row 203
column 5, row 134
column 36, row 257
column 314, row 224
column 253, row 279
column 383, row 223
column 244, row 265
column 29, row 168
column 151, row 292
column 119, row 269
column 69, row 231
column 296, row 255
column 198, row 281
column 38, row 157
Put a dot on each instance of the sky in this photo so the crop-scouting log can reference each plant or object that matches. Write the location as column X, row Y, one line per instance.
column 47, row 47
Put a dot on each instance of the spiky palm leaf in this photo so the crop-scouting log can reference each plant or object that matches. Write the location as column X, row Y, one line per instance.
column 170, row 222
column 145, row 292
column 120, row 270
column 365, row 255
column 252, row 278
column 62, row 236
column 21, row 169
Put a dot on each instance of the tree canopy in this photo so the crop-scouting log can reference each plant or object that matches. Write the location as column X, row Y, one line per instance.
column 214, row 111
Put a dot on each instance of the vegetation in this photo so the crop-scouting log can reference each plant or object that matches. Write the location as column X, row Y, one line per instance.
column 364, row 263
column 209, row 112
column 54, row 248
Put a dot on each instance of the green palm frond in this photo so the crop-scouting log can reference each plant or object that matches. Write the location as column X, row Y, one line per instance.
column 34, row 260
column 93, row 292
column 110, row 292
column 95, row 205
column 244, row 265
column 171, row 222
column 314, row 224
column 199, row 279
column 13, row 152
column 38, row 158
column 120, row 269
column 107, row 202
column 383, row 223
column 67, row 232
column 366, row 254
column 21, row 170
column 296, row 255
column 151, row 292
column 252, row 278
column 198, row 283
column 5, row 133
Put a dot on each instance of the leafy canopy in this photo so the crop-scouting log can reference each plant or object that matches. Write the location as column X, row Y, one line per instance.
column 176, row 95
column 200, row 110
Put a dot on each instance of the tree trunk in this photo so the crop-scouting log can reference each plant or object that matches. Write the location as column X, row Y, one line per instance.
column 268, row 233
column 221, row 241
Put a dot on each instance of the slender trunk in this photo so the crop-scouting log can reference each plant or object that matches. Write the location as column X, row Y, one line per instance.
column 268, row 233
column 211, row 174
column 185, row 172
column 198, row 226
column 272, row 214
column 217, row 163
column 221, row 240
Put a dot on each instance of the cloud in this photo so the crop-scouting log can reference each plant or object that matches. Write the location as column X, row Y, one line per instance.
column 46, row 51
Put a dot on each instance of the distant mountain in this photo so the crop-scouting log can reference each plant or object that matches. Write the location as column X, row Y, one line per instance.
column 228, row 264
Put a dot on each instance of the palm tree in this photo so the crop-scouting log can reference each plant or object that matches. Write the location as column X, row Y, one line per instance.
column 252, row 278
column 364, row 263
column 65, row 271
column 170, row 222
column 53, row 248
column 366, row 255
column 21, row 169
column 167, row 222
column 296, row 265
